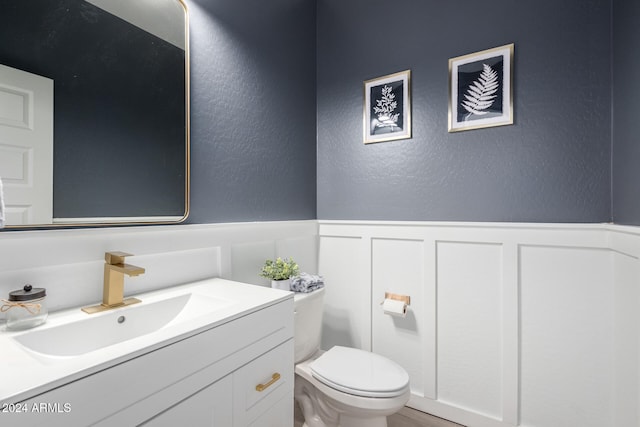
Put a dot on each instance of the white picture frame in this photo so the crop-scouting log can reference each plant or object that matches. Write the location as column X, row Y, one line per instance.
column 387, row 108
column 481, row 89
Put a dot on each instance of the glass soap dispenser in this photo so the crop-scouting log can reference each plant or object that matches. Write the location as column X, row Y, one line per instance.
column 25, row 308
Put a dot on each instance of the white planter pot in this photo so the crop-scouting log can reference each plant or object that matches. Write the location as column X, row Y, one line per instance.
column 284, row 285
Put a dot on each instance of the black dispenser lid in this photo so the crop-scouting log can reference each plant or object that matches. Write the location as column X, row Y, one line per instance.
column 27, row 293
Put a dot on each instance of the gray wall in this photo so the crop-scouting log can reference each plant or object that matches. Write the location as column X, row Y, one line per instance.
column 553, row 165
column 253, row 110
column 626, row 109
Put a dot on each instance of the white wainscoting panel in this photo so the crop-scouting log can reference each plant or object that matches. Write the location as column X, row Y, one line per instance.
column 398, row 267
column 345, row 265
column 533, row 325
column 626, row 396
column 469, row 288
column 303, row 249
column 247, row 259
column 69, row 263
column 566, row 336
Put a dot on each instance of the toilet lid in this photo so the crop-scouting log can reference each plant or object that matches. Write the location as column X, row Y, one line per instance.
column 360, row 373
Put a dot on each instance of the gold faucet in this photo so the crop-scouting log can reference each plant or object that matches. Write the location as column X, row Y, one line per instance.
column 113, row 291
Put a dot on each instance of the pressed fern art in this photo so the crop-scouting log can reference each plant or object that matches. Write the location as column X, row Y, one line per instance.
column 481, row 94
column 480, row 86
column 387, row 110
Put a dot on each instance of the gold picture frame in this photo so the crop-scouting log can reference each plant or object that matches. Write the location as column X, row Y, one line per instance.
column 387, row 108
column 481, row 89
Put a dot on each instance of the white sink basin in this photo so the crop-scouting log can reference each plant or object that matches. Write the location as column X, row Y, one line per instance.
column 97, row 331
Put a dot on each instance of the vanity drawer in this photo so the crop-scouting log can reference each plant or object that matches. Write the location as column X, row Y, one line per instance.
column 262, row 383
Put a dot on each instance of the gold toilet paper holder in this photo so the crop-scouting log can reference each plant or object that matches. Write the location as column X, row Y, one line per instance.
column 398, row 297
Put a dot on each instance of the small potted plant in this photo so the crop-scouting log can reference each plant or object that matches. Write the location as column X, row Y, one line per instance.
column 280, row 272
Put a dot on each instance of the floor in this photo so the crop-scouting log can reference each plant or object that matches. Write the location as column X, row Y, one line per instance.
column 407, row 417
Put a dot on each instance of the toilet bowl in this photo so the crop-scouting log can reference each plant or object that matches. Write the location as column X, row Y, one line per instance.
column 343, row 386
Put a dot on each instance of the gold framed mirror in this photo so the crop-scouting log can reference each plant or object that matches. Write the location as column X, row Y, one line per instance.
column 94, row 112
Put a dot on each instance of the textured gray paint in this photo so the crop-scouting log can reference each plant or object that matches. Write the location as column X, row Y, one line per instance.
column 553, row 165
column 626, row 126
column 253, row 110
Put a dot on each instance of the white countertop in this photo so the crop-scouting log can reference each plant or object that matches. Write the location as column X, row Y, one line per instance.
column 25, row 373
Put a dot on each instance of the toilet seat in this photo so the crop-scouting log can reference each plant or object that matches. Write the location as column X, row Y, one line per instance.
column 360, row 373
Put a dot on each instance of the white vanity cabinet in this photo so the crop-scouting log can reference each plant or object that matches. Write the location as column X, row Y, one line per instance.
column 210, row 406
column 234, row 399
column 208, row 378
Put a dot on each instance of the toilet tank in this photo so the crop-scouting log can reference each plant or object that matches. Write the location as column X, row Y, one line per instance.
column 307, row 323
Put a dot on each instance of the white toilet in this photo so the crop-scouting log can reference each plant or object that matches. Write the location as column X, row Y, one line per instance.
column 343, row 386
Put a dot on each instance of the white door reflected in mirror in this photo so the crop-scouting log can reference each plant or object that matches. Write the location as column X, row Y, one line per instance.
column 26, row 146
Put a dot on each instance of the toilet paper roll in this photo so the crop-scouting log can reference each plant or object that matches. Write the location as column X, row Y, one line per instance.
column 394, row 307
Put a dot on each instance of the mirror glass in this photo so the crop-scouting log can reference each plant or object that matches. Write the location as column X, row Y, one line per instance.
column 94, row 111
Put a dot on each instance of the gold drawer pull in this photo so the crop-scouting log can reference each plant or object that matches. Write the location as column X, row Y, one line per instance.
column 262, row 387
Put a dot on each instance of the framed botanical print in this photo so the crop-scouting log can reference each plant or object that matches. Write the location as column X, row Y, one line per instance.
column 481, row 89
column 387, row 108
